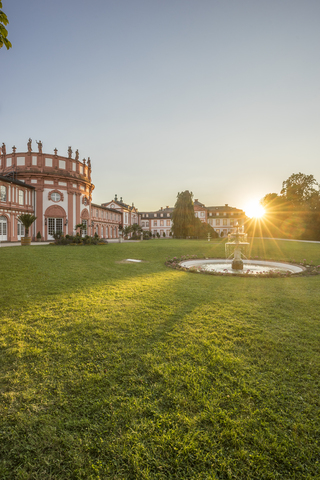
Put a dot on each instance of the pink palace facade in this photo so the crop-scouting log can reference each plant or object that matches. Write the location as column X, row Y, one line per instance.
column 56, row 189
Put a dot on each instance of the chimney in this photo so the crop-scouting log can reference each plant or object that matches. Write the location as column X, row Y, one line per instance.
column 161, row 208
column 115, row 197
column 167, row 206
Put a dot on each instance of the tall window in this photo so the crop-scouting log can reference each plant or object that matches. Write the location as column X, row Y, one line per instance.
column 20, row 229
column 218, row 221
column 54, row 226
column 21, row 197
column 155, row 223
column 3, row 226
column 3, row 193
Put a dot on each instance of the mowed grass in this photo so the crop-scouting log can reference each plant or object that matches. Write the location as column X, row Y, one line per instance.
column 136, row 371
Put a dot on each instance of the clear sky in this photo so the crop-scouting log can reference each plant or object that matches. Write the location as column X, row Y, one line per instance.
column 220, row 97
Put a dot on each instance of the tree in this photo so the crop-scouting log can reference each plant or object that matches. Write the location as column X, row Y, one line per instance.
column 183, row 218
column 295, row 213
column 301, row 191
column 201, row 230
column 81, row 226
column 136, row 229
column 126, row 231
column 3, row 31
column 27, row 220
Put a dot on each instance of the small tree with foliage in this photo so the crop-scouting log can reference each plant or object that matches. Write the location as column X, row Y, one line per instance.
column 136, row 230
column 27, row 220
column 126, row 231
column 183, row 218
column 3, row 31
column 81, row 226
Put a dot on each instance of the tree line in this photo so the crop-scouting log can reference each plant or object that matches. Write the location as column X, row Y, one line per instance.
column 294, row 213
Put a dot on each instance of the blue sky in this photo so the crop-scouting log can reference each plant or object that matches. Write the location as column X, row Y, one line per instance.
column 218, row 97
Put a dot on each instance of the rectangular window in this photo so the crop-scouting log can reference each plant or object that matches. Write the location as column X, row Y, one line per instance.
column 20, row 229
column 201, row 214
column 50, row 182
column 20, row 161
column 62, row 164
column 34, row 160
column 225, row 221
column 54, row 225
column 161, row 223
column 231, row 221
column 8, row 162
column 74, row 166
column 161, row 214
column 218, row 221
column 154, row 223
column 97, row 213
column 81, row 169
column 168, row 223
column 147, row 214
column 3, row 193
column 21, row 197
column 48, row 162
column 147, row 224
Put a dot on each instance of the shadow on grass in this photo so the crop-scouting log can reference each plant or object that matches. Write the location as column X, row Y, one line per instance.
column 154, row 373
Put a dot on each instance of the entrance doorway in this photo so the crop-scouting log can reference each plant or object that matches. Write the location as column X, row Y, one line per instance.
column 55, row 225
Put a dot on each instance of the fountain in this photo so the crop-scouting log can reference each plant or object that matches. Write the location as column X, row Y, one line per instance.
column 236, row 247
column 237, row 263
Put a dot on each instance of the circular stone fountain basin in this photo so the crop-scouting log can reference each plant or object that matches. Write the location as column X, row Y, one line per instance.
column 250, row 267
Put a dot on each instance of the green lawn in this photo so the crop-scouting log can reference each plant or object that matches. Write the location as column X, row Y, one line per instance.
column 111, row 370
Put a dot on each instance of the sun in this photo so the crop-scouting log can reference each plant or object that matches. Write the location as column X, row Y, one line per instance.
column 254, row 209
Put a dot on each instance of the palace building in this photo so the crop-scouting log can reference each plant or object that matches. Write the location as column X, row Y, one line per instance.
column 56, row 189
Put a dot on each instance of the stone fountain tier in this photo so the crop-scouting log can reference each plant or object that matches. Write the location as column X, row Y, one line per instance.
column 237, row 247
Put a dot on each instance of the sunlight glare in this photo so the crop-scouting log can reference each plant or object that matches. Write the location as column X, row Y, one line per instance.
column 254, row 210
